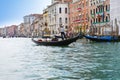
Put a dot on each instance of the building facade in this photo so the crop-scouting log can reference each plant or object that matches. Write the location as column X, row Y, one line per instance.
column 38, row 26
column 62, row 1
column 45, row 27
column 100, row 17
column 79, row 15
column 115, row 16
column 21, row 30
column 28, row 20
column 58, row 14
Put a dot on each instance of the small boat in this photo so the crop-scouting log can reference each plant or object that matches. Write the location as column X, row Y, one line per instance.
column 102, row 38
column 4, row 36
column 56, row 42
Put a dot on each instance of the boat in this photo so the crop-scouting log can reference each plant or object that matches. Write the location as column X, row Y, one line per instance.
column 4, row 36
column 102, row 38
column 65, row 42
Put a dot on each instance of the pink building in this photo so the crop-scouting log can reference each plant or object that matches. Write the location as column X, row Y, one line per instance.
column 12, row 31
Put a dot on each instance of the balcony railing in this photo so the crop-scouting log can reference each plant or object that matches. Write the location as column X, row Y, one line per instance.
column 101, row 22
column 101, row 12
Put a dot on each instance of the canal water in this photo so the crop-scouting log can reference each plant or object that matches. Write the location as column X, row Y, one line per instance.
column 21, row 59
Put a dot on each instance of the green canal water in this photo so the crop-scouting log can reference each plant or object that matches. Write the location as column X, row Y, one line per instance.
column 21, row 59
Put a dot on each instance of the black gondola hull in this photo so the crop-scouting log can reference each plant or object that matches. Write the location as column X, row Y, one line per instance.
column 57, row 43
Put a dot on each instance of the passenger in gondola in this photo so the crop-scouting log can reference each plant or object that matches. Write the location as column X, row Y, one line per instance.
column 62, row 31
column 55, row 39
column 40, row 40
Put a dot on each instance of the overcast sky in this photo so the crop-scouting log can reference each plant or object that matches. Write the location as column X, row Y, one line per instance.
column 12, row 11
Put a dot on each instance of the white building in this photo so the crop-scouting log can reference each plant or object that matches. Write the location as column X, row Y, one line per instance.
column 115, row 13
column 54, row 1
column 58, row 14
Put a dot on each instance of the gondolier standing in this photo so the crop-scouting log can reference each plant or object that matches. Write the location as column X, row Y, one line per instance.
column 62, row 31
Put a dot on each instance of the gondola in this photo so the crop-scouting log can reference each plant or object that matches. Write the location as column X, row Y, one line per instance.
column 65, row 42
column 102, row 38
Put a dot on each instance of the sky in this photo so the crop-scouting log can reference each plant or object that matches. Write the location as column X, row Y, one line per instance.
column 13, row 11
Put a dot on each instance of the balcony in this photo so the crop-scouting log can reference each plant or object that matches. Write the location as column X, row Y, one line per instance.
column 100, row 23
column 100, row 13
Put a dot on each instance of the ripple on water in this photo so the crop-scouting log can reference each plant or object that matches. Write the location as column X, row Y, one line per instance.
column 23, row 60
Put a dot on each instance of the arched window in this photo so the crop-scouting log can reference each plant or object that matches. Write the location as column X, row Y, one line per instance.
column 96, row 20
column 60, row 10
column 99, row 9
column 66, row 10
column 91, row 22
column 66, row 20
column 96, row 10
column 106, row 7
column 66, row 27
column 106, row 19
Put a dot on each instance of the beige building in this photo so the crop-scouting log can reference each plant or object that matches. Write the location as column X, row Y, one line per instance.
column 21, row 30
column 37, row 26
column 46, row 22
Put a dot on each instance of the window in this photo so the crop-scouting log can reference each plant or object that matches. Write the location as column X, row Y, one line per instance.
column 91, row 22
column 66, row 27
column 103, row 8
column 66, row 10
column 103, row 18
column 96, row 20
column 94, row 11
column 60, row 10
column 66, row 20
column 60, row 20
column 91, row 11
column 99, row 19
column 99, row 9
column 106, row 7
column 106, row 19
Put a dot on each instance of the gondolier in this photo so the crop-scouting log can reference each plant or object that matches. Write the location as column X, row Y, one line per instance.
column 62, row 31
